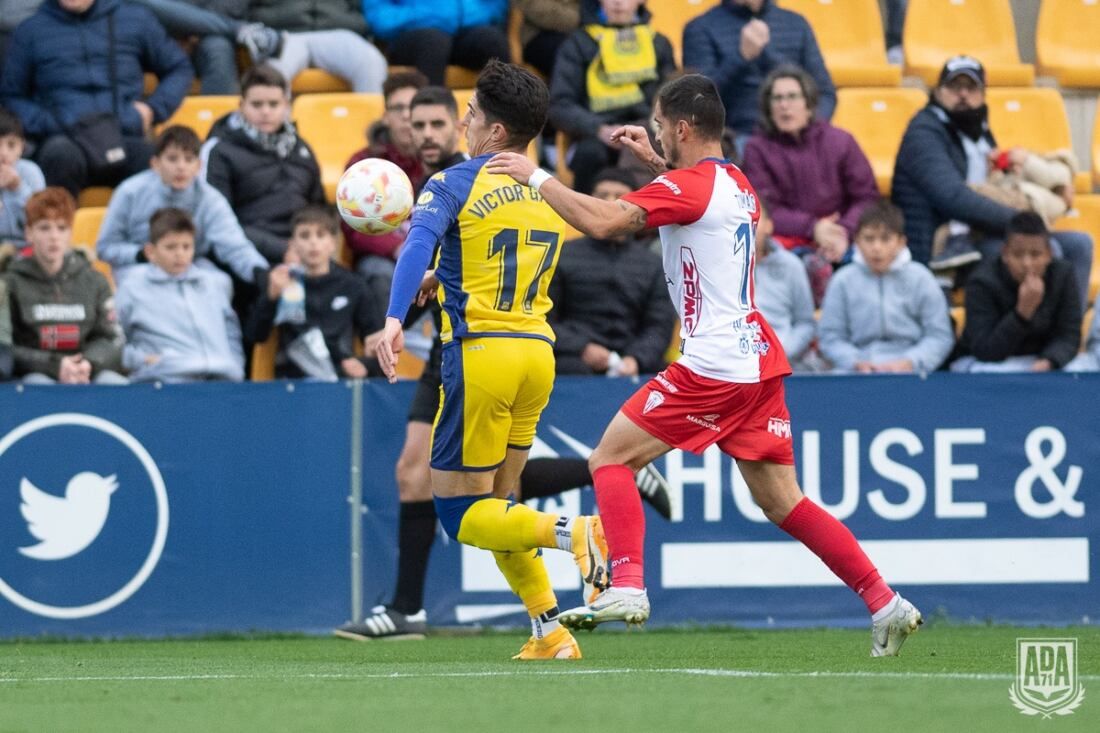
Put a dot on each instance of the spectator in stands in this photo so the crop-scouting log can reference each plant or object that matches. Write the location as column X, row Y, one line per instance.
column 256, row 159
column 174, row 182
column 814, row 176
column 63, row 320
column 1089, row 359
column 884, row 312
column 19, row 178
column 317, row 340
column 611, row 311
column 783, row 295
column 430, row 36
column 546, row 25
column 946, row 147
column 12, row 13
column 1023, row 312
column 301, row 16
column 895, row 25
column 74, row 77
column 737, row 43
column 6, row 362
column 178, row 318
column 391, row 139
column 616, row 43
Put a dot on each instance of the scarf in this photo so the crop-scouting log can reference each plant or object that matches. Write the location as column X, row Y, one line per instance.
column 625, row 58
column 281, row 142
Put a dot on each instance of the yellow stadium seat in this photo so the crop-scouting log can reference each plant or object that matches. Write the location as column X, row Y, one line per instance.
column 877, row 118
column 1086, row 324
column 1066, row 42
column 150, row 82
column 86, row 225
column 456, row 77
column 670, row 17
column 201, row 112
column 263, row 358
column 94, row 196
column 1085, row 217
column 936, row 30
column 1096, row 147
column 849, row 33
column 317, row 81
column 1034, row 118
column 958, row 316
column 104, row 269
column 335, row 126
column 561, row 144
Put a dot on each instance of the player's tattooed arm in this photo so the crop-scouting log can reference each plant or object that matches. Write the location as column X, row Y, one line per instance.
column 636, row 215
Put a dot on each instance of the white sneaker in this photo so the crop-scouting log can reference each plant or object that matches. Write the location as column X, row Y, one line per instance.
column 891, row 631
column 629, row 605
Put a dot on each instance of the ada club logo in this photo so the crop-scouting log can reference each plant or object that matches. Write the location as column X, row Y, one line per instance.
column 83, row 515
column 1046, row 677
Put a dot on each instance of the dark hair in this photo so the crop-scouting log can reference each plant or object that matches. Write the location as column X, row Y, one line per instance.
column 617, row 175
column 314, row 214
column 435, row 96
column 1027, row 223
column 694, row 99
column 263, row 75
column 169, row 221
column 10, row 124
column 53, row 202
column 178, row 136
column 514, row 97
column 786, row 71
column 883, row 214
column 403, row 80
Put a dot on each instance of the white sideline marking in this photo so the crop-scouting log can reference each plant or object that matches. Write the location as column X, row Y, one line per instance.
column 702, row 672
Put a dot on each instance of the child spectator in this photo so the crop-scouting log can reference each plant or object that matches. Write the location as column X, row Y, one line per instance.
column 177, row 317
column 1023, row 312
column 317, row 340
column 783, row 295
column 19, row 178
column 256, row 159
column 173, row 182
column 884, row 312
column 62, row 311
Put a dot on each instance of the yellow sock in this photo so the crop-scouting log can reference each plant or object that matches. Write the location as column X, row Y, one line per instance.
column 527, row 577
column 505, row 526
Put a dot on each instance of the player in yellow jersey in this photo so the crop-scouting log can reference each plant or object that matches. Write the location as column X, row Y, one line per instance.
column 498, row 248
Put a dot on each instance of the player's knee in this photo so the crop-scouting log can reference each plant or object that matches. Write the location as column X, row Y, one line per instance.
column 413, row 480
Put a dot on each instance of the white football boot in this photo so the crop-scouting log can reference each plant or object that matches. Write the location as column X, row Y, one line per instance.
column 629, row 605
column 891, row 631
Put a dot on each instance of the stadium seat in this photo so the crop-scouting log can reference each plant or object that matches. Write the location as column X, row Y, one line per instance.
column 150, row 81
column 335, row 126
column 317, row 81
column 1034, row 118
column 1096, row 147
column 201, row 112
column 104, row 269
column 1085, row 217
column 263, row 358
column 958, row 317
column 877, row 118
column 94, row 196
column 670, row 17
column 850, row 35
column 1086, row 324
column 86, row 225
column 1066, row 42
column 936, row 30
column 457, row 77
column 562, row 171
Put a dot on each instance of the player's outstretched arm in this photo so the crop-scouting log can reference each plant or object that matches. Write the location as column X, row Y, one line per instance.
column 409, row 279
column 595, row 217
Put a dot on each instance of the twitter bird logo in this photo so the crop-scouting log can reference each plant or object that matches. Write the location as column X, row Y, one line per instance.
column 66, row 525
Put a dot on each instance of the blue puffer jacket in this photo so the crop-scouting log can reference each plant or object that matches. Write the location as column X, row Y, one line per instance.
column 390, row 18
column 58, row 67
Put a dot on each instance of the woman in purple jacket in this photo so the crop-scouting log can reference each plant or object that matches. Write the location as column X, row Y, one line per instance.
column 813, row 176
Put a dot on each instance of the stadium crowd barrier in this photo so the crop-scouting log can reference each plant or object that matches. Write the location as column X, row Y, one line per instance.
column 229, row 508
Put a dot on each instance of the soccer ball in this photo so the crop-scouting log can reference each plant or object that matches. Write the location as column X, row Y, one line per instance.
column 374, row 196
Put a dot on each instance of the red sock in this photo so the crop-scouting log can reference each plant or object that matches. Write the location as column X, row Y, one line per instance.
column 623, row 523
column 834, row 543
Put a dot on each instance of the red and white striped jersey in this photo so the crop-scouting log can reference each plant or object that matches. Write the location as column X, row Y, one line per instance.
column 707, row 217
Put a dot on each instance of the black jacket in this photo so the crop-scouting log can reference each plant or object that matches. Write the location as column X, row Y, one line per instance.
column 614, row 295
column 264, row 190
column 994, row 331
column 337, row 303
column 569, row 110
column 310, row 15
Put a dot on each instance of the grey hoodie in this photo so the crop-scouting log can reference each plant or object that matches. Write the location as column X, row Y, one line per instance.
column 186, row 321
column 12, row 215
column 783, row 296
column 899, row 315
column 125, row 228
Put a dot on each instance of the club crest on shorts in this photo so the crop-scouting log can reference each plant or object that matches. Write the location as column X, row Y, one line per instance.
column 655, row 400
column 1046, row 677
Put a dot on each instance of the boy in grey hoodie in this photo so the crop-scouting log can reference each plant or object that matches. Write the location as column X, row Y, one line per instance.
column 19, row 178
column 173, row 182
column 177, row 317
column 884, row 313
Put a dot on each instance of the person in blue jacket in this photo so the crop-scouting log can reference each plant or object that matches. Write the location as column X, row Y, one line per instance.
column 431, row 35
column 58, row 74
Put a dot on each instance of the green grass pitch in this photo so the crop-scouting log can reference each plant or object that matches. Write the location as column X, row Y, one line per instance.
column 949, row 678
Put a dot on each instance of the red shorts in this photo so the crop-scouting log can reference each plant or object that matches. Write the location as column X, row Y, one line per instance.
column 688, row 411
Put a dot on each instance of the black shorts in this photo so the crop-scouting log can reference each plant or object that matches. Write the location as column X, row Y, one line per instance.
column 425, row 401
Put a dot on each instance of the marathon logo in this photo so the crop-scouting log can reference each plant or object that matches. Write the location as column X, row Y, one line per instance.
column 779, row 427
column 693, row 295
column 664, row 181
